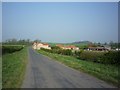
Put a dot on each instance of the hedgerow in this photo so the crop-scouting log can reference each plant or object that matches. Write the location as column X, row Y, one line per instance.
column 110, row 57
column 11, row 49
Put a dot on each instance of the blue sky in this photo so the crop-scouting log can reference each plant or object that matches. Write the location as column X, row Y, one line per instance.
column 0, row 21
column 60, row 22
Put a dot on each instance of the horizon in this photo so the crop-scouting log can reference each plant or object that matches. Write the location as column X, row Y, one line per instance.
column 63, row 22
column 60, row 42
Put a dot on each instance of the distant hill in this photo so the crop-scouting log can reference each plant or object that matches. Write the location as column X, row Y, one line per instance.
column 77, row 43
column 81, row 42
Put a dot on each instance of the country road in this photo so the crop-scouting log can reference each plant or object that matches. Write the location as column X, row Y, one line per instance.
column 42, row 72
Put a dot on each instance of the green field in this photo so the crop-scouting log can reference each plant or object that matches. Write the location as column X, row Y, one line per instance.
column 13, row 68
column 108, row 73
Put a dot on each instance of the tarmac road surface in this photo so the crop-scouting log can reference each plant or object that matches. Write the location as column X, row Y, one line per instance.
column 42, row 72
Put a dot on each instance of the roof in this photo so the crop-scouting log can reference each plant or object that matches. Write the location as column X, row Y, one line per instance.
column 70, row 46
column 40, row 43
column 45, row 44
column 59, row 45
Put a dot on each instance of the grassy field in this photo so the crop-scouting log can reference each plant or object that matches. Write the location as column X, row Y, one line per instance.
column 13, row 68
column 108, row 73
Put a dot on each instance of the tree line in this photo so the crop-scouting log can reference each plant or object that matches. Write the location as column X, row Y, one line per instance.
column 20, row 42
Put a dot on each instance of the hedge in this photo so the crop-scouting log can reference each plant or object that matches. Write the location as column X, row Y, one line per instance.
column 111, row 57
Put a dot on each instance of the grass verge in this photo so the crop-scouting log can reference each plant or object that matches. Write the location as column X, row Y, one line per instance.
column 0, row 72
column 13, row 68
column 107, row 73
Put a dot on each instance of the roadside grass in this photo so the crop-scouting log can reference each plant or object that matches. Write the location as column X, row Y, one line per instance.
column 13, row 68
column 108, row 73
column 0, row 72
column 0, row 66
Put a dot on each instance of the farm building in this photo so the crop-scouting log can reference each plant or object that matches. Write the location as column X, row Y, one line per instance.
column 71, row 47
column 99, row 48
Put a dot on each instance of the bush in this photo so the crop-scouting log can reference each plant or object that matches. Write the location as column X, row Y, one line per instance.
column 55, row 47
column 66, row 52
column 91, row 55
column 77, row 54
column 112, row 57
column 58, row 51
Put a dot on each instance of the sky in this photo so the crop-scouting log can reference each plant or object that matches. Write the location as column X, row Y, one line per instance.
column 62, row 22
column 60, row 0
column 0, row 21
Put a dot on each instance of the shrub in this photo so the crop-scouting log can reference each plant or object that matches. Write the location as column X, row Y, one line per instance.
column 55, row 47
column 91, row 55
column 112, row 57
column 58, row 51
column 67, row 52
column 77, row 54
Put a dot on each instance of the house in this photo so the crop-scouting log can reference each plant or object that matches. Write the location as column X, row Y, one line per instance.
column 60, row 46
column 38, row 46
column 71, row 47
